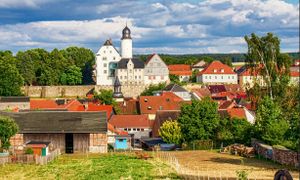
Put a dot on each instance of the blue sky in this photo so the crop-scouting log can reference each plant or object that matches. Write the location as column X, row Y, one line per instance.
column 161, row 26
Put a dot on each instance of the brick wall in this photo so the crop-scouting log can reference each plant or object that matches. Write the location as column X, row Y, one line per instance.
column 17, row 142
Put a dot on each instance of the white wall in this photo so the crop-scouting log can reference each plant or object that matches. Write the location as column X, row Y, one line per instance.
column 218, row 78
column 105, row 56
column 130, row 76
column 156, row 71
column 248, row 81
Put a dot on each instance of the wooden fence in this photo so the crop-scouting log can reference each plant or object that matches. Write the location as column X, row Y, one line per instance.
column 42, row 160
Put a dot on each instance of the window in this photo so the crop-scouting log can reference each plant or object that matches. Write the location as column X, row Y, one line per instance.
column 153, row 77
column 112, row 68
column 221, row 77
column 104, row 58
column 121, row 77
column 209, row 77
column 142, row 129
column 162, row 77
column 114, row 58
column 222, row 70
column 149, row 77
column 215, row 77
column 104, row 52
column 205, row 77
column 138, row 129
column 140, row 77
column 105, row 71
column 135, row 77
column 125, row 129
column 105, row 65
column 125, row 77
column 130, row 71
column 146, row 100
column 232, row 77
column 134, row 129
column 215, row 70
column 110, row 52
column 149, row 107
column 129, row 129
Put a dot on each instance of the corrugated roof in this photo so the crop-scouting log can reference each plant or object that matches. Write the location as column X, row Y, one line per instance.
column 59, row 121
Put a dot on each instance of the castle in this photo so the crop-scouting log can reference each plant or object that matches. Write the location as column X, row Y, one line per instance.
column 128, row 70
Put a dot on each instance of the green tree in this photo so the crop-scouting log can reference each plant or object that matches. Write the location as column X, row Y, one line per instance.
column 194, row 76
column 199, row 120
column 174, row 79
column 105, row 97
column 264, row 56
column 152, row 88
column 170, row 132
column 8, row 128
column 72, row 76
column 269, row 123
column 10, row 79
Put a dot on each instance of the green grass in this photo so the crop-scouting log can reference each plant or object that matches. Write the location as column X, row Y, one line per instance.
column 110, row 166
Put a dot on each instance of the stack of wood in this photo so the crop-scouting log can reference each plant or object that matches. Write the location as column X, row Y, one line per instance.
column 240, row 149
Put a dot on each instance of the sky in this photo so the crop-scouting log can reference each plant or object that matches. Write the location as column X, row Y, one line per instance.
column 157, row 26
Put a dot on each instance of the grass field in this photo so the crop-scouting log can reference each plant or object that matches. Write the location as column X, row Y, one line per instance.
column 110, row 166
column 214, row 164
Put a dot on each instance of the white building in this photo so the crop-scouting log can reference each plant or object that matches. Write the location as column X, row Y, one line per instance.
column 217, row 73
column 130, row 71
column 156, row 71
column 247, row 77
column 107, row 59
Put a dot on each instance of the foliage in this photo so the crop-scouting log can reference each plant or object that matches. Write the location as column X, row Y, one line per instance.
column 105, row 97
column 269, row 124
column 10, row 79
column 8, row 128
column 264, row 56
column 72, row 76
column 194, row 76
column 174, row 78
column 170, row 132
column 242, row 175
column 29, row 151
column 199, row 120
column 152, row 88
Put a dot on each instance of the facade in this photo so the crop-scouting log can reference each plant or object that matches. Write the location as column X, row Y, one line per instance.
column 14, row 103
column 199, row 66
column 217, row 73
column 130, row 71
column 68, row 131
column 247, row 77
column 107, row 59
column 156, row 71
column 179, row 91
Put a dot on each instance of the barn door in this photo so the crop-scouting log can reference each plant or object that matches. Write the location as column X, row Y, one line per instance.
column 69, row 143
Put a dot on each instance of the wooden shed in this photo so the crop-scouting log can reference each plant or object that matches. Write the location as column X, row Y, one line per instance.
column 68, row 131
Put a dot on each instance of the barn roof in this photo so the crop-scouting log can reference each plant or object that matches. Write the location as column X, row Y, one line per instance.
column 59, row 121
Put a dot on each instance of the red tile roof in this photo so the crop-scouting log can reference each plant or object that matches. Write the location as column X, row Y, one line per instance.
column 227, row 105
column 181, row 73
column 111, row 128
column 129, row 106
column 216, row 67
column 295, row 74
column 237, row 112
column 43, row 104
column 167, row 101
column 131, row 121
column 179, row 67
column 202, row 92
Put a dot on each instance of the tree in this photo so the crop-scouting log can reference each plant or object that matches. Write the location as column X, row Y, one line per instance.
column 269, row 123
column 170, row 132
column 105, row 97
column 199, row 120
column 174, row 79
column 152, row 88
column 72, row 76
column 10, row 79
column 264, row 56
column 8, row 128
column 194, row 75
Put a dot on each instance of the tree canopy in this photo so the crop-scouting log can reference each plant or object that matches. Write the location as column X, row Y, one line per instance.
column 105, row 97
column 152, row 88
column 170, row 132
column 199, row 120
column 8, row 128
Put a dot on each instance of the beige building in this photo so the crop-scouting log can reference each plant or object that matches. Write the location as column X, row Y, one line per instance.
column 130, row 71
column 156, row 71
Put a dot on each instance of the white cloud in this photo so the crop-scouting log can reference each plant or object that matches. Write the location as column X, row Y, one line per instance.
column 22, row 3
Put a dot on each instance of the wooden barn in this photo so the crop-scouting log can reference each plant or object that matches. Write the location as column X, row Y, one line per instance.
column 68, row 131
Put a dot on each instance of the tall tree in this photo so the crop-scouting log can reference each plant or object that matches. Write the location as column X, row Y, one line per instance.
column 199, row 120
column 264, row 56
column 72, row 76
column 8, row 128
column 105, row 97
column 10, row 79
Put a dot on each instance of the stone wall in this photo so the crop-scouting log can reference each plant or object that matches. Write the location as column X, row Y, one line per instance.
column 76, row 91
column 17, row 142
column 98, row 143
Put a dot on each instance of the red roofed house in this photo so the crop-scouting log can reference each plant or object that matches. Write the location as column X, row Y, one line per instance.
column 136, row 125
column 183, row 71
column 113, row 132
column 166, row 101
column 156, row 71
column 217, row 73
column 233, row 111
column 199, row 65
column 248, row 76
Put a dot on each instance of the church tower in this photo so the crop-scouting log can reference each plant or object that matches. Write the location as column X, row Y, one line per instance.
column 118, row 95
column 126, row 43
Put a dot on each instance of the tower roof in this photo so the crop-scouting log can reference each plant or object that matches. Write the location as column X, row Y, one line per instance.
column 117, row 82
column 126, row 33
column 108, row 43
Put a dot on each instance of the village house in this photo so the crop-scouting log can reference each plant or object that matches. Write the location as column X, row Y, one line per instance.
column 68, row 131
column 149, row 105
column 199, row 66
column 247, row 77
column 217, row 73
column 136, row 125
column 179, row 91
column 161, row 117
column 232, row 110
column 183, row 71
column 156, row 71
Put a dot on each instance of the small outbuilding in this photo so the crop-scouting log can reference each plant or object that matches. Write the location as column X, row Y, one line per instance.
column 122, row 142
column 40, row 148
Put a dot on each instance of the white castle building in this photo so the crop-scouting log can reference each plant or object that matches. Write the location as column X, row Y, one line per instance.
column 130, row 71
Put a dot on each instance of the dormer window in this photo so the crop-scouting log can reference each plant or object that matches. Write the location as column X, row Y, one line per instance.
column 146, row 100
column 215, row 70
column 149, row 107
column 222, row 70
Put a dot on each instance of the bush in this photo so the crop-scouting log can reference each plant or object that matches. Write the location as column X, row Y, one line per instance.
column 8, row 128
column 242, row 175
column 29, row 151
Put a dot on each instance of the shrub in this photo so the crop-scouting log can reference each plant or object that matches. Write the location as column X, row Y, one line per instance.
column 8, row 128
column 242, row 175
column 29, row 151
